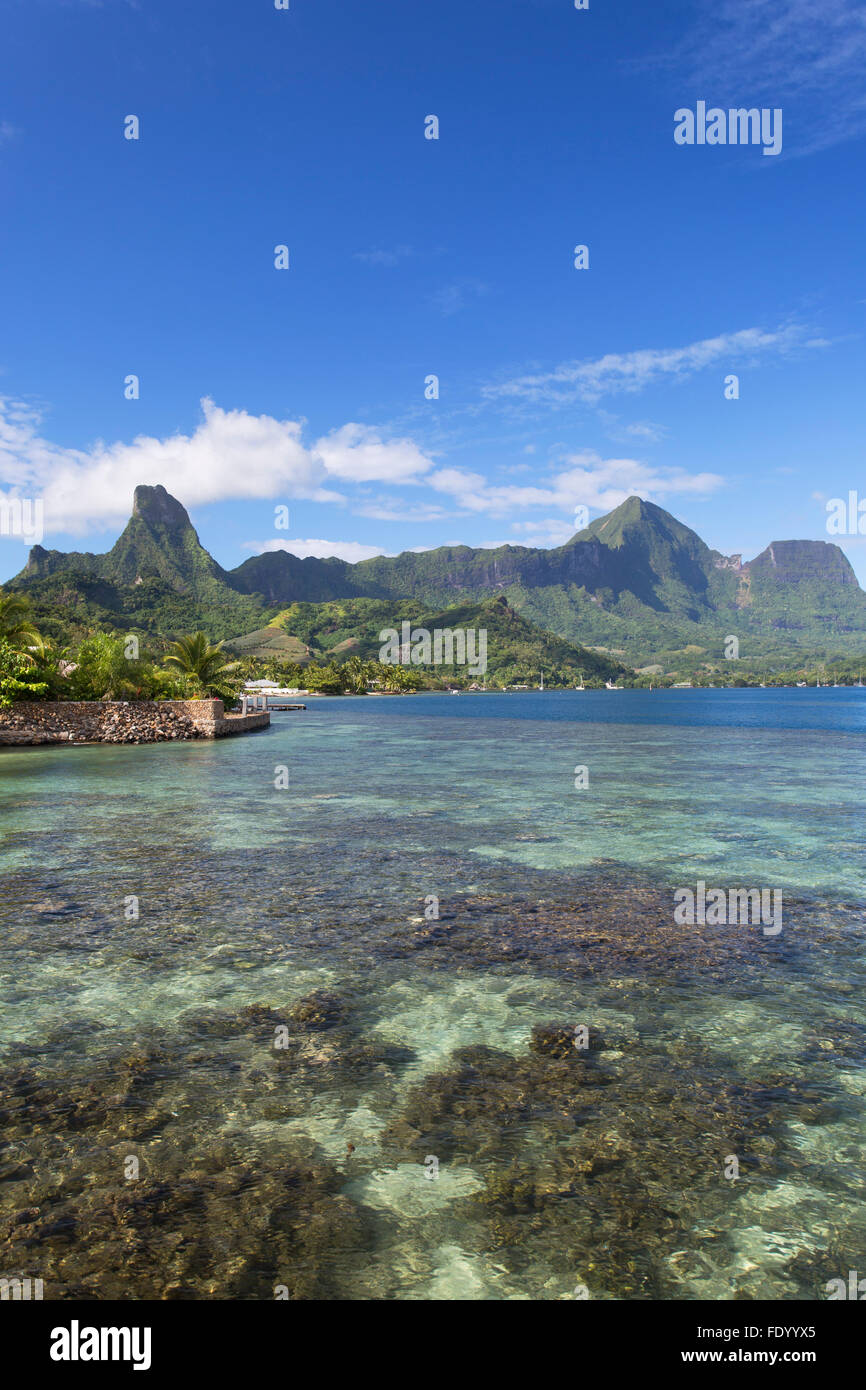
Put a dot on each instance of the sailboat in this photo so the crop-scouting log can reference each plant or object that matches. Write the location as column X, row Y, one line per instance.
column 609, row 685
column 541, row 687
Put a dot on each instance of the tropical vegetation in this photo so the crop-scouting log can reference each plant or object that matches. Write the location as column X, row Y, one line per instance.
column 203, row 666
column 106, row 665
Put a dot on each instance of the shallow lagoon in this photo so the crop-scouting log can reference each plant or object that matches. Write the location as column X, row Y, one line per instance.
column 408, row 1038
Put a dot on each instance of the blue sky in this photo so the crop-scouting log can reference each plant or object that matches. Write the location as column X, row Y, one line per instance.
column 410, row 257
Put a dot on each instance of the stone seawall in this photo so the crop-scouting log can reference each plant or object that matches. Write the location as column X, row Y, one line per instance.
column 121, row 721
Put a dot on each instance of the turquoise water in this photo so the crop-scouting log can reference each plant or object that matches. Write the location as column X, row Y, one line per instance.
column 298, row 915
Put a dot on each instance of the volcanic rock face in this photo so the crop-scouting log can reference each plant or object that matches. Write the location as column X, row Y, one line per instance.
column 157, row 507
column 793, row 562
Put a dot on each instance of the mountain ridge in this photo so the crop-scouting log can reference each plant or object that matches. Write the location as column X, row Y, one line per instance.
column 635, row 579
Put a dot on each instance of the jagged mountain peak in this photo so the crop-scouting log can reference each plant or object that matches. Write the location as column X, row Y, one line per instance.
column 637, row 516
column 156, row 506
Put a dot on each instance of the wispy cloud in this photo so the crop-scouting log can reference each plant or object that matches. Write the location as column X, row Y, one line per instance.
column 589, row 480
column 384, row 256
column 235, row 455
column 617, row 372
column 647, row 431
column 401, row 510
column 551, row 532
column 805, row 56
column 452, row 298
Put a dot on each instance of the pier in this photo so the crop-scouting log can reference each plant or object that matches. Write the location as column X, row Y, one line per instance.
column 259, row 697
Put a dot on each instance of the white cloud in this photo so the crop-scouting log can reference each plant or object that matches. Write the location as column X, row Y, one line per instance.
column 235, row 455
column 634, row 371
column 645, row 429
column 605, row 483
column 353, row 551
column 357, row 453
column 231, row 454
column 399, row 509
column 551, row 532
column 590, row 481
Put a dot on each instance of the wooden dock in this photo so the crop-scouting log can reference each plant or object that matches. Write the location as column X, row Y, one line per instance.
column 265, row 700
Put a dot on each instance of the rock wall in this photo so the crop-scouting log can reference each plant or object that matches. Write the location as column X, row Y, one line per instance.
column 121, row 721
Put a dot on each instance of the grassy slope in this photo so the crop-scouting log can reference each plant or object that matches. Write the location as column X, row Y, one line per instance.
column 351, row 627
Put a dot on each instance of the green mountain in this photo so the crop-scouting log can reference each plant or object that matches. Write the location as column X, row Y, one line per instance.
column 276, row 577
column 337, row 630
column 636, row 583
column 157, row 577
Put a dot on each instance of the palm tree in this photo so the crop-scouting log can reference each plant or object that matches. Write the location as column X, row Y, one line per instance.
column 397, row 680
column 355, row 672
column 16, row 624
column 193, row 656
